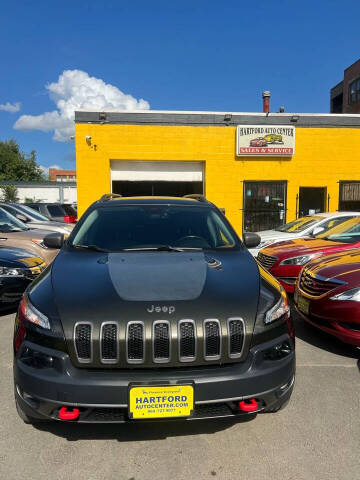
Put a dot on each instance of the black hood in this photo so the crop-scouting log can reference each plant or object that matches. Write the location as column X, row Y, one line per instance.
column 99, row 287
column 12, row 257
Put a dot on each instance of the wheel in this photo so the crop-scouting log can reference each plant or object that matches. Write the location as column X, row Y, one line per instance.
column 24, row 417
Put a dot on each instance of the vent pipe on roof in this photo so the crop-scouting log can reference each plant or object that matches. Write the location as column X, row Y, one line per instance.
column 266, row 101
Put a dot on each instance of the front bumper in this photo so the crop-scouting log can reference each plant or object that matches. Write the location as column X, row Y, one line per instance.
column 42, row 388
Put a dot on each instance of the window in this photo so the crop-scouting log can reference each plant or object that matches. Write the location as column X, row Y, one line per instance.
column 354, row 91
column 154, row 226
column 56, row 211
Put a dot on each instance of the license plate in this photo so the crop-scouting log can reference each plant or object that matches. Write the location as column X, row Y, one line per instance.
column 303, row 304
column 161, row 402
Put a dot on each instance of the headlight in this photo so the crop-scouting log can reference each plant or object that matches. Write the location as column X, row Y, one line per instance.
column 280, row 309
column 353, row 294
column 301, row 260
column 12, row 272
column 29, row 313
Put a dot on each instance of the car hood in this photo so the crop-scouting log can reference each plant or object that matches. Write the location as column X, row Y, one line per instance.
column 51, row 226
column 342, row 266
column 278, row 236
column 301, row 246
column 97, row 287
column 37, row 234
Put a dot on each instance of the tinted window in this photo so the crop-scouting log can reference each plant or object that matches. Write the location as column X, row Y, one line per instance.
column 8, row 223
column 346, row 232
column 56, row 210
column 32, row 212
column 69, row 210
column 300, row 224
column 152, row 226
column 34, row 206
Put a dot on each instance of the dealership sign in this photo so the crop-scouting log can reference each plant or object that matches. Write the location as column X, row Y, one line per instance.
column 265, row 140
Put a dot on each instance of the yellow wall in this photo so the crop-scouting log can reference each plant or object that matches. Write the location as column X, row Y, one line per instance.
column 323, row 156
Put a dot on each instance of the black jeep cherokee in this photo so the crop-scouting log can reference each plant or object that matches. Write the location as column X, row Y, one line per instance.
column 152, row 309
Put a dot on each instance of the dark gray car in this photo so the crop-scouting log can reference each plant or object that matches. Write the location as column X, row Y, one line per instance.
column 60, row 212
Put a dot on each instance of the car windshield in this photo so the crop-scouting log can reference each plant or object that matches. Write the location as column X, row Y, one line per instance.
column 346, row 232
column 137, row 227
column 8, row 223
column 300, row 224
column 33, row 213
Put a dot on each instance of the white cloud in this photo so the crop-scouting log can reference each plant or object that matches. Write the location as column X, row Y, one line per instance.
column 76, row 90
column 45, row 170
column 10, row 107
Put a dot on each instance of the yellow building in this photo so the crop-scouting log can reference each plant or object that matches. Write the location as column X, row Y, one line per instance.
column 264, row 169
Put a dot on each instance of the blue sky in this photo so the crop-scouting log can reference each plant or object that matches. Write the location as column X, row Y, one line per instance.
column 179, row 55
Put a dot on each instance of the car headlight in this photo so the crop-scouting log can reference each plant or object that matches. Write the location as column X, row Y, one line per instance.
column 301, row 260
column 280, row 309
column 29, row 313
column 353, row 294
column 12, row 272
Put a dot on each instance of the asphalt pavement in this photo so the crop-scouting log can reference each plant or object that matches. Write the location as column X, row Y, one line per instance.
column 317, row 436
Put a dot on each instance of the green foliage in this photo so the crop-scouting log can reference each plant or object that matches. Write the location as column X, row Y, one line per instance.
column 9, row 193
column 18, row 166
column 31, row 200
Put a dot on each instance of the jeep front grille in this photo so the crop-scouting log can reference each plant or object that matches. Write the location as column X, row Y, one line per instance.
column 162, row 342
column 187, row 340
column 212, row 339
column 109, row 344
column 135, row 342
column 83, row 343
column 236, row 330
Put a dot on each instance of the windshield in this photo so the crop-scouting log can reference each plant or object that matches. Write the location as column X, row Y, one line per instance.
column 347, row 232
column 300, row 224
column 32, row 212
column 154, row 226
column 8, row 223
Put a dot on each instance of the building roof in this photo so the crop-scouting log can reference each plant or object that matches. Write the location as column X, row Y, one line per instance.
column 160, row 117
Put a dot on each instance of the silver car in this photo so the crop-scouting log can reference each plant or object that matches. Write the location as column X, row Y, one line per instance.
column 34, row 219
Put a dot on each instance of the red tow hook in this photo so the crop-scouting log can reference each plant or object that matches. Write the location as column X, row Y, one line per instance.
column 65, row 414
column 249, row 405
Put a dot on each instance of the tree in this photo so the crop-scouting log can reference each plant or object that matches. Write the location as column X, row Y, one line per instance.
column 9, row 193
column 18, row 166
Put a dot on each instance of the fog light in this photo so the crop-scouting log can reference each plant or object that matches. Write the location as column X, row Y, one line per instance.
column 36, row 359
column 277, row 352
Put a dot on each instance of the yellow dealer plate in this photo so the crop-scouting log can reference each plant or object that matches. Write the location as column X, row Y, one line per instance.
column 303, row 305
column 161, row 402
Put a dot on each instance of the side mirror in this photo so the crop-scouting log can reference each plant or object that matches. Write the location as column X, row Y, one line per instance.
column 54, row 240
column 317, row 230
column 251, row 240
column 21, row 217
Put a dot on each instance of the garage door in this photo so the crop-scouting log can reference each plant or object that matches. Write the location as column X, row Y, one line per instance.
column 131, row 178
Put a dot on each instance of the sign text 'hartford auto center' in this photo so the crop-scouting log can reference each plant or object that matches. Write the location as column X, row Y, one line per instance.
column 265, row 140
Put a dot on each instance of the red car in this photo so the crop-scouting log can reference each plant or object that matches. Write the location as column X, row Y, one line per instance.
column 285, row 260
column 327, row 295
column 258, row 142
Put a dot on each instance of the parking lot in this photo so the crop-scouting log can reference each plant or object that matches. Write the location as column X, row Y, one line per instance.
column 316, row 436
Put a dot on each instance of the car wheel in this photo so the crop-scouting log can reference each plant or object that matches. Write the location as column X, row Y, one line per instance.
column 24, row 417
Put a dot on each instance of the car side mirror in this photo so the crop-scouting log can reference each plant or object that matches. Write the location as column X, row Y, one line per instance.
column 21, row 217
column 317, row 230
column 54, row 240
column 251, row 240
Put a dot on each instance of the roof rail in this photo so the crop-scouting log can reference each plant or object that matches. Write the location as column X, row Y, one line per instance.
column 109, row 196
column 197, row 196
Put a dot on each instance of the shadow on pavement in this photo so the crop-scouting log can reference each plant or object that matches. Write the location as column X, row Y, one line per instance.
column 135, row 432
column 320, row 339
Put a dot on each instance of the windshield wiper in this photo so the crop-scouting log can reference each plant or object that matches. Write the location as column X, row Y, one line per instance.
column 91, row 247
column 162, row 248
